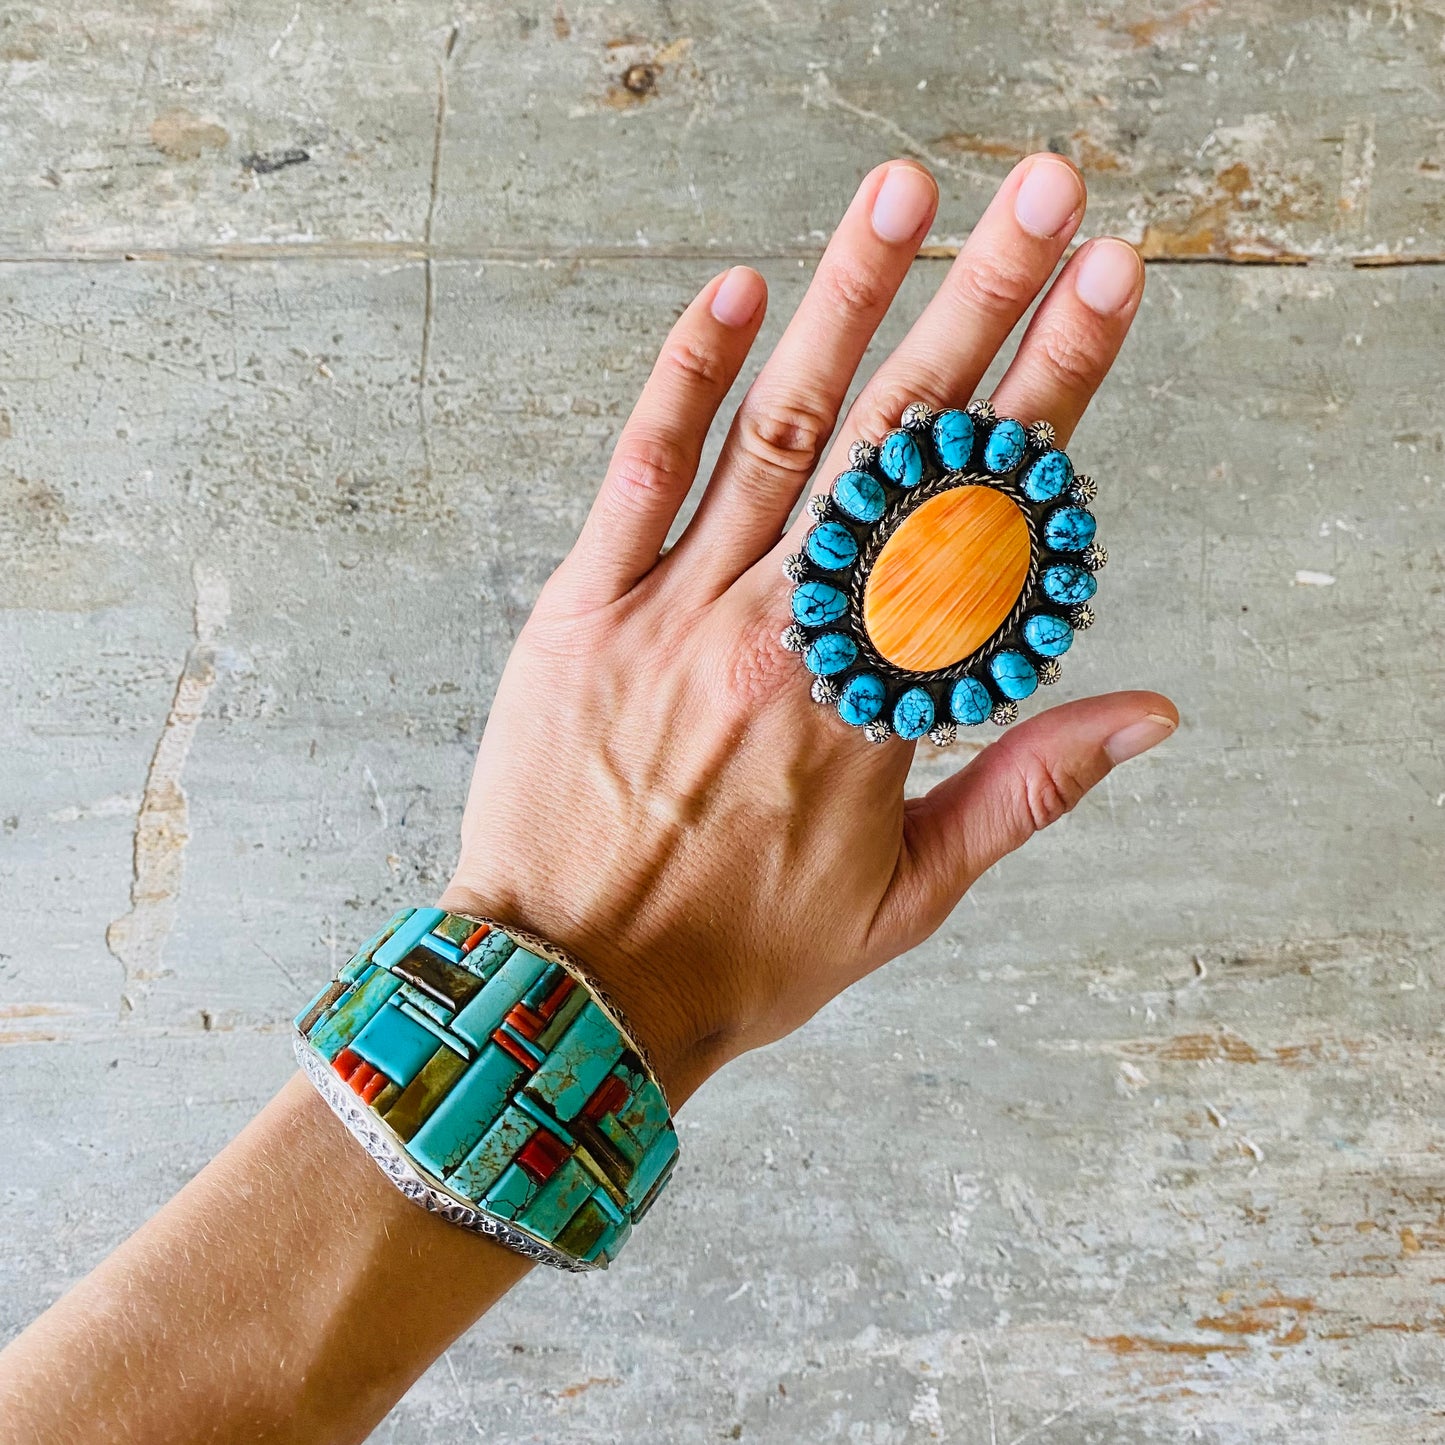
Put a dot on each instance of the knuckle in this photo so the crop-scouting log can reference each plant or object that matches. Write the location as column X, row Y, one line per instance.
column 995, row 285
column 1070, row 354
column 693, row 363
column 648, row 469
column 784, row 434
column 1050, row 790
column 850, row 286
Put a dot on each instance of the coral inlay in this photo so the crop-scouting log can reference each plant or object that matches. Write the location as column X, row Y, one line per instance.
column 947, row 579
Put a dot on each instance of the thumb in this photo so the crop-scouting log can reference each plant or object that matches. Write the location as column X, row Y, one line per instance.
column 1033, row 775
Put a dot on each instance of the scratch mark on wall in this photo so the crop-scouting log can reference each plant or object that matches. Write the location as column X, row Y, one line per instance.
column 428, row 277
column 162, row 825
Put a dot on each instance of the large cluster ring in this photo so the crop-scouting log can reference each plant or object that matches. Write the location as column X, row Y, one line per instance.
column 945, row 575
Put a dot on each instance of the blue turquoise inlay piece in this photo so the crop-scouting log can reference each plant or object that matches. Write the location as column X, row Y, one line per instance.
column 506, row 987
column 899, row 459
column 395, row 1044
column 1047, row 477
column 444, row 946
column 657, row 1158
column 558, row 1199
column 512, row 1193
column 434, row 1026
column 467, row 1112
column 644, row 1114
column 830, row 545
column 862, row 699
column 1068, row 584
column 1013, row 675
column 830, row 653
column 579, row 1061
column 1005, row 447
column 860, row 495
column 1048, row 635
column 608, row 1246
column 913, row 713
column 527, row 1047
column 533, row 1107
column 408, row 936
column 484, row 1165
column 490, row 954
column 361, row 959
column 816, row 604
column 953, row 439
column 1070, row 529
column 330, row 1037
column 970, row 702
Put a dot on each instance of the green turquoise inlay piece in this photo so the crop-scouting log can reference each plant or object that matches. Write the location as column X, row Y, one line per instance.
column 582, row 1059
column 337, row 1031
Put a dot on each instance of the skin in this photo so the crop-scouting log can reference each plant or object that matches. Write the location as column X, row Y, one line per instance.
column 723, row 854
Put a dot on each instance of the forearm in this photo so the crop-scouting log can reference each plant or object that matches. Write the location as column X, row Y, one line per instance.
column 289, row 1292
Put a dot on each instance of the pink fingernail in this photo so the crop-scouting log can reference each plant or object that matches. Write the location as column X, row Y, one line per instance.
column 1139, row 737
column 1108, row 277
column 904, row 202
column 1049, row 196
column 736, row 301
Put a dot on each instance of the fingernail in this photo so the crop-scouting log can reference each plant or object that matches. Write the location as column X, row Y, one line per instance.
column 904, row 202
column 1108, row 277
column 1139, row 737
column 1049, row 195
column 736, row 301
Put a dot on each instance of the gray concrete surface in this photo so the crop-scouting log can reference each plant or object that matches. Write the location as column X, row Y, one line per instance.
column 1145, row 1145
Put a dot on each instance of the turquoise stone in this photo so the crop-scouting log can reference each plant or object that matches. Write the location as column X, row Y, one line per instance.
column 408, row 936
column 830, row 653
column 1013, row 674
column 644, row 1115
column 1047, row 477
column 899, row 460
column 1068, row 584
column 860, row 496
column 468, row 1111
column 502, row 991
column 336, row 1032
column 970, row 702
column 583, row 1057
column 1048, row 635
column 659, row 1156
column 484, row 1165
column 816, row 604
column 862, row 700
column 1070, row 529
column 558, row 1200
column 1005, row 447
column 953, row 439
column 512, row 1193
column 490, row 954
column 830, row 545
column 913, row 713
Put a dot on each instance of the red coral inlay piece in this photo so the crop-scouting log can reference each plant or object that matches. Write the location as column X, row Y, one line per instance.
column 542, row 1155
column 611, row 1094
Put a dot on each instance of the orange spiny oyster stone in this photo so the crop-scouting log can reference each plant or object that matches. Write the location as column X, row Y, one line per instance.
column 947, row 578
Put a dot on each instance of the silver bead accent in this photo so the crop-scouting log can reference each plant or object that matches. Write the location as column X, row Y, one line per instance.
column 944, row 735
column 1043, row 435
column 794, row 638
column 878, row 731
column 1083, row 489
column 1095, row 557
column 795, row 567
column 1081, row 618
column 820, row 505
column 1005, row 713
column 917, row 416
column 862, row 455
column 825, row 691
column 981, row 411
column 1050, row 671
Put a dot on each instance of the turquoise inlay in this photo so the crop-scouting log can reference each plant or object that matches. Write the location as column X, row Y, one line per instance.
column 484, row 1165
column 1048, row 635
column 953, row 439
column 862, row 699
column 433, row 1026
column 1068, row 584
column 315, row 999
column 831, row 652
column 860, row 496
column 619, row 1138
column 490, row 954
column 525, row 1044
column 547, row 980
column 603, row 1200
column 396, row 1044
column 913, row 713
column 1013, row 674
column 899, row 461
column 970, row 702
column 610, row 1244
column 530, row 1106
column 443, row 946
column 361, row 959
column 1070, row 529
column 650, row 1198
column 579, row 1062
column 1005, row 447
column 424, row 1003
column 558, row 1200
column 408, row 936
column 467, row 1112
column 657, row 1158
column 816, row 604
column 1047, row 477
column 830, row 545
column 505, row 988
column 335, row 1033
column 644, row 1114
column 512, row 1193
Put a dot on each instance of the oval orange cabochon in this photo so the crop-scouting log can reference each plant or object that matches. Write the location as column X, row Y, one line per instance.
column 947, row 579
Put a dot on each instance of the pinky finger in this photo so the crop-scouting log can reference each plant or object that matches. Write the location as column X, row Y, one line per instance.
column 657, row 455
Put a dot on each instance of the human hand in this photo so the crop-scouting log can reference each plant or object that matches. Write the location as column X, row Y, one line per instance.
column 655, row 791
